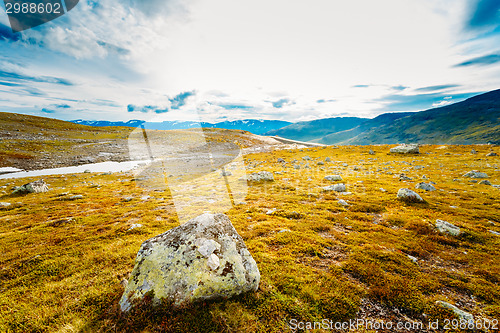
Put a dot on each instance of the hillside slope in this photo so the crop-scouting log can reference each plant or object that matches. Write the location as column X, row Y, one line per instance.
column 475, row 120
column 315, row 129
column 31, row 143
column 383, row 119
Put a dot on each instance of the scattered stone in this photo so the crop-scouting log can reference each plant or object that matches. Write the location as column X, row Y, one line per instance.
column 494, row 232
column 5, row 204
column 145, row 197
column 342, row 202
column 345, row 164
column 62, row 221
column 473, row 181
column 409, row 195
column 382, row 189
column 475, row 174
column 446, row 227
column 38, row 186
column 226, row 173
column 371, row 152
column 134, row 226
column 321, row 163
column 86, row 160
column 261, row 176
column 202, row 259
column 485, row 182
column 491, row 154
column 336, row 188
column 296, row 166
column 270, row 211
column 412, row 258
column 328, row 159
column 283, row 230
column 127, row 199
column 425, row 186
column 75, row 197
column 306, row 158
column 355, row 168
column 406, row 149
column 333, row 178
column 403, row 177
column 280, row 160
column 473, row 152
column 462, row 315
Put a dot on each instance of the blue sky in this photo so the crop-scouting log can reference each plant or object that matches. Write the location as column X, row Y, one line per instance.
column 269, row 59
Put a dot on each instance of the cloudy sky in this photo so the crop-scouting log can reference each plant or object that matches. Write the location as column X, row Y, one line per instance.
column 266, row 59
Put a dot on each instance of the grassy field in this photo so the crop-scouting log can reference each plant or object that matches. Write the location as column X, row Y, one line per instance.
column 62, row 259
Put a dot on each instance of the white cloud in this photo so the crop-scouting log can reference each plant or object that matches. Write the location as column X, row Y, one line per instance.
column 129, row 29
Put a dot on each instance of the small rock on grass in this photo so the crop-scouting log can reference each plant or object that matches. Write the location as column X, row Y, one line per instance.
column 261, row 176
column 446, row 227
column 342, row 202
column 485, row 182
column 336, row 188
column 462, row 315
column 38, row 186
column 407, row 195
column 475, row 174
column 412, row 258
column 425, row 186
column 494, row 232
column 134, row 226
column 75, row 197
column 5, row 204
column 406, row 149
column 333, row 178
column 491, row 154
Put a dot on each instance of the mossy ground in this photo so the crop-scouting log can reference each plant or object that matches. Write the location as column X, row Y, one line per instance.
column 61, row 260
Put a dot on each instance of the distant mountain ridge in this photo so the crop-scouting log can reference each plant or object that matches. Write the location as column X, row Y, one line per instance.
column 315, row 129
column 251, row 125
column 474, row 120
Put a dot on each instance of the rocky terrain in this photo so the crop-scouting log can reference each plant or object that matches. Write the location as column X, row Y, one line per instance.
column 337, row 233
column 33, row 143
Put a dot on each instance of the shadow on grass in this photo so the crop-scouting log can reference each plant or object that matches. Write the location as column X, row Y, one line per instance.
column 143, row 316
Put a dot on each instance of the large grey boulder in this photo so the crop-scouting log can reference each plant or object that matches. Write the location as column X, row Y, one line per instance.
column 205, row 258
column 406, row 149
column 261, row 176
column 447, row 227
column 407, row 195
column 475, row 174
column 33, row 187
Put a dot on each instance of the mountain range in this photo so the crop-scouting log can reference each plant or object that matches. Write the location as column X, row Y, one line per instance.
column 474, row 120
column 251, row 125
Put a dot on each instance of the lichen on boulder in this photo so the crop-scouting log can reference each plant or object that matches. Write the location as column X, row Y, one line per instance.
column 202, row 259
